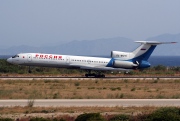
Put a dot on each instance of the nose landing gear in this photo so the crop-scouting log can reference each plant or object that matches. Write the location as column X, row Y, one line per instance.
column 29, row 70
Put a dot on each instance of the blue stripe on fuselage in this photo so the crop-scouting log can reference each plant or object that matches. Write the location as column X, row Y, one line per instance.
column 110, row 64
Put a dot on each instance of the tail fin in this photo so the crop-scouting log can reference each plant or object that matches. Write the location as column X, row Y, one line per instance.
column 144, row 51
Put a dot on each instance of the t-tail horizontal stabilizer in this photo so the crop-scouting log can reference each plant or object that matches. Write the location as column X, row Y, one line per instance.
column 154, row 42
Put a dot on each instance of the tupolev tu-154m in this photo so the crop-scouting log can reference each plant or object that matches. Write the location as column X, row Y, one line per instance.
column 138, row 59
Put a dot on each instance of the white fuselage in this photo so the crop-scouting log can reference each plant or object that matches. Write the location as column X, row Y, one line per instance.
column 54, row 60
column 137, row 59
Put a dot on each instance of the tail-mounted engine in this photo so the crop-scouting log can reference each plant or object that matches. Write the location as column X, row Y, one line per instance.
column 119, row 54
column 121, row 63
column 124, row 64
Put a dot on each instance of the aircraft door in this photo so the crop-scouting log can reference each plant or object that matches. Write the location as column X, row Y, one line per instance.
column 89, row 61
column 67, row 59
column 29, row 58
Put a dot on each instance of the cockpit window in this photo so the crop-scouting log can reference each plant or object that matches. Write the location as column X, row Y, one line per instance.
column 16, row 56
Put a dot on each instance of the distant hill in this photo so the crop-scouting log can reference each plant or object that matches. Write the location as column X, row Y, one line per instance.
column 167, row 49
column 84, row 47
column 100, row 46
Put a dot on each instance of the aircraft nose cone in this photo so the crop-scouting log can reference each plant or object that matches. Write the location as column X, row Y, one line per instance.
column 9, row 60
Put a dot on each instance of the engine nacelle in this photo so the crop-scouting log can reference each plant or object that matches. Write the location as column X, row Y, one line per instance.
column 123, row 64
column 119, row 54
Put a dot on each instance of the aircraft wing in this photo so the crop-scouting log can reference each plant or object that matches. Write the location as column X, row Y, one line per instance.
column 98, row 68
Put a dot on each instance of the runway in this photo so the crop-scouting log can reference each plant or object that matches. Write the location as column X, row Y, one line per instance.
column 92, row 102
column 84, row 78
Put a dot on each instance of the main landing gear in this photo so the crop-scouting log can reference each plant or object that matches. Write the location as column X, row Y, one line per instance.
column 96, row 75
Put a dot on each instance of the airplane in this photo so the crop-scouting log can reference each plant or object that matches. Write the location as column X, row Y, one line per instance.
column 138, row 59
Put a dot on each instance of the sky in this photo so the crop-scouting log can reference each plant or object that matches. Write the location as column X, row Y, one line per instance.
column 51, row 22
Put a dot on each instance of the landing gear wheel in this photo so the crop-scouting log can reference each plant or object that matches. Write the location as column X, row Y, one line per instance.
column 96, row 75
column 29, row 71
column 100, row 76
column 86, row 75
column 103, row 76
column 90, row 75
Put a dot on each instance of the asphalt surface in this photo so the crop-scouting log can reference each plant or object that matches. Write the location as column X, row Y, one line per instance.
column 92, row 102
column 110, row 77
